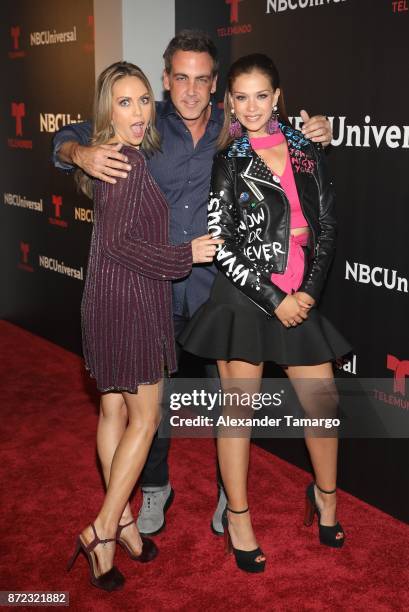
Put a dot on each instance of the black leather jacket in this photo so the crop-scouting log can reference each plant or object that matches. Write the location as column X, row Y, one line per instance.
column 249, row 209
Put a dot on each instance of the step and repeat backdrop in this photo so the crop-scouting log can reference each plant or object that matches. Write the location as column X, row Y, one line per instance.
column 47, row 68
column 347, row 59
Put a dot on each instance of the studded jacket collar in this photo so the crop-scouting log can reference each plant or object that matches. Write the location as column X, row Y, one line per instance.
column 249, row 209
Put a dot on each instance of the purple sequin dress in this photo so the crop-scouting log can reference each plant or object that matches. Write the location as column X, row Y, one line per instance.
column 126, row 307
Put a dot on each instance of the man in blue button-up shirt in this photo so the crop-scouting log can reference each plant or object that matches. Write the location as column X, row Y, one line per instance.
column 189, row 126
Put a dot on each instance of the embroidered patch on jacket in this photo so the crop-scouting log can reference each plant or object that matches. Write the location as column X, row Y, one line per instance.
column 239, row 147
column 300, row 161
column 294, row 137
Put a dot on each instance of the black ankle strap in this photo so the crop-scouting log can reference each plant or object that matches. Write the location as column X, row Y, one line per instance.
column 97, row 540
column 120, row 527
column 323, row 490
column 237, row 511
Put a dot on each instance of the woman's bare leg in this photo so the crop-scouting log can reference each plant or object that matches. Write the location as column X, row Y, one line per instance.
column 318, row 396
column 233, row 452
column 113, row 419
column 130, row 455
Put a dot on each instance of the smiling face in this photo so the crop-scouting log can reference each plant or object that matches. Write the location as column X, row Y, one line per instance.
column 253, row 98
column 131, row 110
column 190, row 83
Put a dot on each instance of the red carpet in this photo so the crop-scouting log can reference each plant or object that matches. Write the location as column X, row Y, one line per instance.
column 51, row 489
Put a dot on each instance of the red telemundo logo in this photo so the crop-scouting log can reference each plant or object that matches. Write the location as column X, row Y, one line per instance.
column 18, row 112
column 89, row 45
column 398, row 398
column 400, row 6
column 15, row 33
column 233, row 30
column 24, row 259
column 56, row 201
column 234, row 10
column 400, row 370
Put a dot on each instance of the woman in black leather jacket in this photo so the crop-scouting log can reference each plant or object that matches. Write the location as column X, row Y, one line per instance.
column 274, row 208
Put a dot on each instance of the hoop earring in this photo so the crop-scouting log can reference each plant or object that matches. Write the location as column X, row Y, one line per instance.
column 235, row 129
column 111, row 131
column 272, row 124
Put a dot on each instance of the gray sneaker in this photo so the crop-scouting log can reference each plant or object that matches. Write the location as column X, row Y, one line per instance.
column 156, row 501
column 216, row 524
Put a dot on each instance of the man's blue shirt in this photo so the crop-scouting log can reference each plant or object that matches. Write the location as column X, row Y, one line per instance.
column 182, row 171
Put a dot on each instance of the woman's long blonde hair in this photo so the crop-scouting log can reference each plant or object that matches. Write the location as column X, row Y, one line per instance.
column 255, row 62
column 103, row 131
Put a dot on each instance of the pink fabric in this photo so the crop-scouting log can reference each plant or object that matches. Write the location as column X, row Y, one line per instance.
column 265, row 142
column 292, row 278
column 286, row 179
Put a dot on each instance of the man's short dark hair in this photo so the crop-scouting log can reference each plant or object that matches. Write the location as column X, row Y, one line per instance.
column 191, row 40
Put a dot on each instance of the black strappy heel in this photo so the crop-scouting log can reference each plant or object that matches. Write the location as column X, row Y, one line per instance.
column 246, row 560
column 112, row 580
column 333, row 535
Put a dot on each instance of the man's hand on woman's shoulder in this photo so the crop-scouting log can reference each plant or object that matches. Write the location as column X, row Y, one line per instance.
column 317, row 128
column 104, row 162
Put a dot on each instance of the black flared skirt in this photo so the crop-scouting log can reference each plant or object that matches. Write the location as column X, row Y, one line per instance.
column 230, row 326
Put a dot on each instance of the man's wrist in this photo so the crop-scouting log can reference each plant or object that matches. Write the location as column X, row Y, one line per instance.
column 66, row 153
column 73, row 152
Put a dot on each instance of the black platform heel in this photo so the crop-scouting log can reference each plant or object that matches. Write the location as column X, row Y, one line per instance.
column 333, row 535
column 112, row 580
column 246, row 560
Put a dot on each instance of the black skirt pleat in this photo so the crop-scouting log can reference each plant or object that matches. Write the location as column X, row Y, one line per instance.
column 230, row 326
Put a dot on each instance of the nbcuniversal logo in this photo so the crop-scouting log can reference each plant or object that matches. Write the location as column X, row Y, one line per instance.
column 278, row 6
column 376, row 276
column 366, row 135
